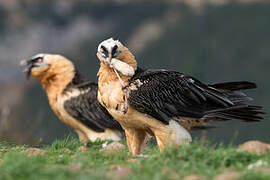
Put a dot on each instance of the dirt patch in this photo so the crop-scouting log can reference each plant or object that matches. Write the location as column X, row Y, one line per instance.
column 263, row 170
column 118, row 172
column 194, row 177
column 133, row 160
column 36, row 151
column 227, row 176
column 75, row 167
column 170, row 173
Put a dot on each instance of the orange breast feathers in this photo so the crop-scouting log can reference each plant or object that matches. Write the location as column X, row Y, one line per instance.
column 110, row 92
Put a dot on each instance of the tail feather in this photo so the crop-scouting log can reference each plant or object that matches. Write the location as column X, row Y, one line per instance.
column 225, row 94
column 240, row 110
column 224, row 102
column 235, row 86
column 247, row 114
column 229, row 94
column 239, row 97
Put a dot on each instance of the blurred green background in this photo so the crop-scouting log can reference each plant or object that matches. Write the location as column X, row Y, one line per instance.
column 212, row 40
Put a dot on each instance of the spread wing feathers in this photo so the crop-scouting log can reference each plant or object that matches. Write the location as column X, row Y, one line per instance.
column 166, row 94
column 86, row 108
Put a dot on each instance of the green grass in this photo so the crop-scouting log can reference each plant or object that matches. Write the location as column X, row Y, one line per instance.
column 198, row 158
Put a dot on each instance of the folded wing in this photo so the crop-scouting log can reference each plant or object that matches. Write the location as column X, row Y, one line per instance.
column 165, row 94
column 88, row 110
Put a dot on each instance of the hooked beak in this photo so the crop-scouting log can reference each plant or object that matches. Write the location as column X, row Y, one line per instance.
column 28, row 65
column 106, row 60
column 109, row 59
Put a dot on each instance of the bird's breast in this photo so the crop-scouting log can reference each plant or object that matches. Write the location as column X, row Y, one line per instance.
column 111, row 95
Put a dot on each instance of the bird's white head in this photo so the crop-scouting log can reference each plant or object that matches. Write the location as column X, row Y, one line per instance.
column 43, row 66
column 115, row 55
column 109, row 49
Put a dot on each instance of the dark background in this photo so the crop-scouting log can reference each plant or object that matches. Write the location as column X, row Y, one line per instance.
column 212, row 40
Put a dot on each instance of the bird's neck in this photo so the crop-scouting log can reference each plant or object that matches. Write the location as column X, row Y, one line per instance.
column 107, row 74
column 56, row 80
column 110, row 93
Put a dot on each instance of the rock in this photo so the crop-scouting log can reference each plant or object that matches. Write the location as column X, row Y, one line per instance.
column 194, row 177
column 255, row 147
column 227, row 176
column 119, row 172
column 83, row 148
column 112, row 147
column 35, row 151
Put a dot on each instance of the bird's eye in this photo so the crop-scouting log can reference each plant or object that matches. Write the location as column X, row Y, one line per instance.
column 104, row 50
column 40, row 60
column 114, row 48
column 114, row 51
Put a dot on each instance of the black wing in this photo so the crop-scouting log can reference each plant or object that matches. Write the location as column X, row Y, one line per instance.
column 166, row 94
column 88, row 110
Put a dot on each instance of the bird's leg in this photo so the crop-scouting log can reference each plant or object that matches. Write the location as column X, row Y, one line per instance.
column 82, row 137
column 162, row 138
column 135, row 139
column 124, row 89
